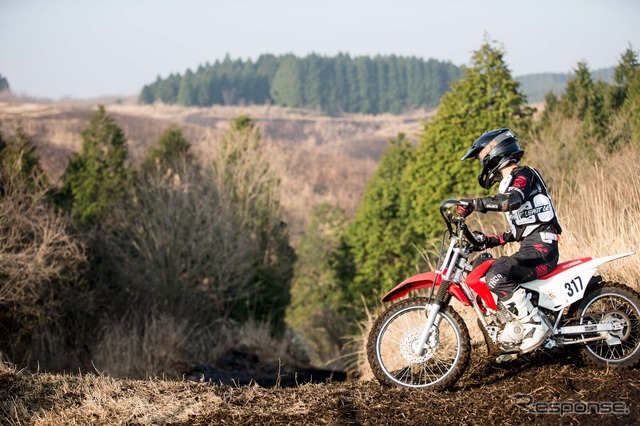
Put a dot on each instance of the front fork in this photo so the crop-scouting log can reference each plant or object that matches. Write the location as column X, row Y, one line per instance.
column 441, row 300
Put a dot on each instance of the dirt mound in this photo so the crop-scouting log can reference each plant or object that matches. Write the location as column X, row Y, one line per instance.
column 534, row 389
column 241, row 368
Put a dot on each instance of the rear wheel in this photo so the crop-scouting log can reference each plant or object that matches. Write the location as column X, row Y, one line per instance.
column 619, row 305
column 393, row 340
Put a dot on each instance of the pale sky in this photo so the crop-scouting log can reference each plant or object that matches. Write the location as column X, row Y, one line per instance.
column 89, row 48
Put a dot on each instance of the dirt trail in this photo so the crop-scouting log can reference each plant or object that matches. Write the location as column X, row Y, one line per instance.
column 520, row 393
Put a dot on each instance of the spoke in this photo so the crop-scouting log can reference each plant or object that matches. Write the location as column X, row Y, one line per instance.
column 396, row 341
column 397, row 357
column 432, row 373
column 400, row 335
column 620, row 309
column 440, row 362
column 401, row 374
column 442, row 373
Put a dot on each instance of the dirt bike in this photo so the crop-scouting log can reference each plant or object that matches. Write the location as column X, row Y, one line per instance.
column 422, row 342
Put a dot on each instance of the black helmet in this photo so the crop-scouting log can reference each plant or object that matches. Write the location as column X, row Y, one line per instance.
column 494, row 149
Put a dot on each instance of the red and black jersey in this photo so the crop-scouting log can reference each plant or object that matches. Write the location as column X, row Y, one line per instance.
column 525, row 200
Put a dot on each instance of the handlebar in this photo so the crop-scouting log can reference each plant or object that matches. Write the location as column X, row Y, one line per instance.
column 472, row 239
column 448, row 203
column 449, row 219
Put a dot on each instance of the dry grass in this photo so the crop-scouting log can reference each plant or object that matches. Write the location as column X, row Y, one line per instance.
column 601, row 215
column 486, row 394
column 160, row 345
column 144, row 347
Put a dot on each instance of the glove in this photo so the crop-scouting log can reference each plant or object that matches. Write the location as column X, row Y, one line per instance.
column 493, row 241
column 465, row 211
column 487, row 241
column 480, row 237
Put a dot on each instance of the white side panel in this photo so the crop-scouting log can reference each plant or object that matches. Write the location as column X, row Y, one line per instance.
column 563, row 289
column 569, row 286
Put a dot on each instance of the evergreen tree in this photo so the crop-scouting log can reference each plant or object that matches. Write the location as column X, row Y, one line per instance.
column 383, row 84
column 313, row 84
column 147, row 95
column 627, row 68
column 625, row 75
column 396, row 83
column 486, row 98
column 267, row 66
column 185, row 94
column 286, row 88
column 172, row 147
column 632, row 107
column 416, row 83
column 331, row 84
column 167, row 90
column 627, row 91
column 401, row 207
column 316, row 309
column 550, row 106
column 97, row 177
column 248, row 186
column 585, row 100
column 355, row 94
column 203, row 91
column 4, row 84
column 19, row 163
column 372, row 255
column 363, row 77
column 341, row 86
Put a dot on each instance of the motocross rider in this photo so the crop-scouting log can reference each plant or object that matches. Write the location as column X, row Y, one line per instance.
column 524, row 198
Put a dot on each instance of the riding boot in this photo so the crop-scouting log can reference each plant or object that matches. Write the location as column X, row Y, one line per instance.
column 535, row 328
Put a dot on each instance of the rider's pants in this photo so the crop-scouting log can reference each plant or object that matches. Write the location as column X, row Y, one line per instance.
column 536, row 257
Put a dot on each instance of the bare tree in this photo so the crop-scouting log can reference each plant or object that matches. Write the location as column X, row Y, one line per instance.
column 35, row 244
column 180, row 247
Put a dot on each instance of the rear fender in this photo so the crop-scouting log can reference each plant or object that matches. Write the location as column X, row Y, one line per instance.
column 568, row 282
column 420, row 281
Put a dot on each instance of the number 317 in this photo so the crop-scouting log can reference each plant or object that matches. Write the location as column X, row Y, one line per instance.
column 573, row 284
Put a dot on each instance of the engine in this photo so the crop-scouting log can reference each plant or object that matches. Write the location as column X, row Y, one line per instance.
column 505, row 330
column 513, row 332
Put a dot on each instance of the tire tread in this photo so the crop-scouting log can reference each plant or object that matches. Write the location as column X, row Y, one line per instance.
column 609, row 287
column 458, row 369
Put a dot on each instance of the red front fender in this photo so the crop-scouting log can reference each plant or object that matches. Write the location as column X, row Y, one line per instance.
column 424, row 280
column 480, row 287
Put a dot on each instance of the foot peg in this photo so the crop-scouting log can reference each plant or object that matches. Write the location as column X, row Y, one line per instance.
column 506, row 358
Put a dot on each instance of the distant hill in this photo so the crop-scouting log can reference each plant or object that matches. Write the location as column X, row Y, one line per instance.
column 536, row 86
column 333, row 85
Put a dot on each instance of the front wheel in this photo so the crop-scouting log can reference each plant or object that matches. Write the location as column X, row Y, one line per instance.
column 616, row 304
column 393, row 340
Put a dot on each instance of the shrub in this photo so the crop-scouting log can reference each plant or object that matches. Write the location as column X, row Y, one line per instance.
column 179, row 249
column 41, row 260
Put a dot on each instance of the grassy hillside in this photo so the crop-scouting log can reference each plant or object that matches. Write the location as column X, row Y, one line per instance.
column 318, row 159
